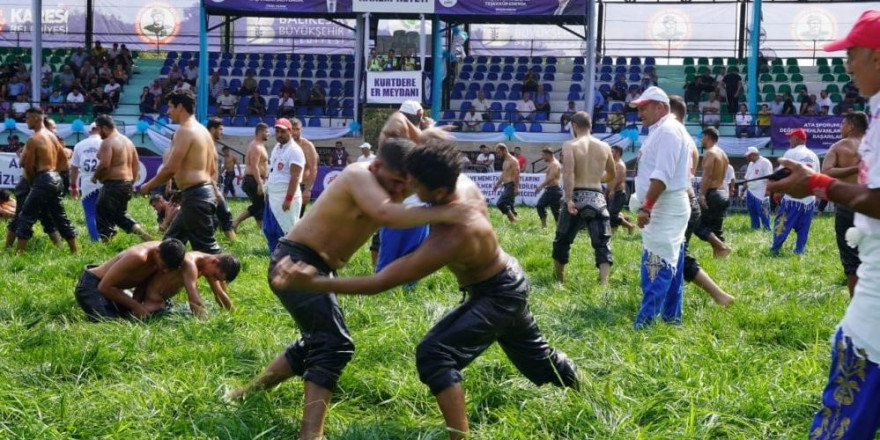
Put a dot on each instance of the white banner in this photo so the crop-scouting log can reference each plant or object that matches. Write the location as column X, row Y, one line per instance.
column 10, row 170
column 527, row 184
column 394, row 6
column 393, row 87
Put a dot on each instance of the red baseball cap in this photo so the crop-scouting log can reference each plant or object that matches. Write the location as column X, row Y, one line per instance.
column 798, row 133
column 865, row 33
column 283, row 123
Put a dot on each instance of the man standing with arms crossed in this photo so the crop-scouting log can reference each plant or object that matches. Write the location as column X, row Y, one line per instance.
column 361, row 199
column 192, row 163
column 283, row 194
column 552, row 196
column 43, row 157
column 661, row 189
column 585, row 160
column 509, row 183
column 616, row 195
column 82, row 168
column 118, row 168
column 850, row 408
column 795, row 213
column 756, row 192
column 842, row 163
column 714, row 194
column 256, row 170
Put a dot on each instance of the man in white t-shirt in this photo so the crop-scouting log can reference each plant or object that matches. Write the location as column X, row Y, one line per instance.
column 756, row 192
column 82, row 167
column 366, row 153
column 472, row 120
column 486, row 158
column 711, row 111
column 283, row 195
column 743, row 122
column 525, row 109
column 75, row 101
column 824, row 100
column 482, row 105
column 226, row 103
column 113, row 89
column 795, row 213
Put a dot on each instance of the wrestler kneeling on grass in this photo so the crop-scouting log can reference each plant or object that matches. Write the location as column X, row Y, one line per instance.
column 153, row 272
column 497, row 306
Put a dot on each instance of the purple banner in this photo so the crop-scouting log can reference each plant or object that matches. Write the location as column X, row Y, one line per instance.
column 64, row 23
column 822, row 131
column 511, row 7
column 277, row 7
column 148, row 24
column 326, row 175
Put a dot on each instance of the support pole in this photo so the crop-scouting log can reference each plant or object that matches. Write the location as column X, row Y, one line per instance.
column 755, row 47
column 423, row 44
column 437, row 74
column 36, row 49
column 359, row 32
column 90, row 24
column 202, row 101
column 590, row 71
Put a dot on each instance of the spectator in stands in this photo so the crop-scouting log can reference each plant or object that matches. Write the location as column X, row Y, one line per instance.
column 390, row 62
column 19, row 107
column 46, row 71
column 633, row 95
column 850, row 91
column 711, row 111
column 78, row 58
column 809, row 106
column 719, row 78
column 733, row 86
column 286, row 106
column 482, row 106
column 101, row 102
column 520, row 158
column 486, row 158
column 692, row 93
column 113, row 89
column 174, row 74
column 743, row 122
column 843, row 107
column 302, row 96
column 777, row 105
column 620, row 89
column 257, row 105
column 542, row 100
column 788, row 105
column 104, row 73
column 366, row 153
column 463, row 160
column 472, row 120
column 91, row 86
column 409, row 62
column 652, row 73
column 125, row 59
column 525, row 108
column 824, row 110
column 646, row 82
column 191, row 73
column 566, row 116
column 530, row 81
column 45, row 90
column 706, row 82
column 824, row 100
column 617, row 121
column 76, row 101
column 148, row 102
column 226, row 104
column 803, row 96
column 86, row 73
column 317, row 96
column 113, row 52
column 14, row 87
column 56, row 102
column 156, row 89
column 14, row 144
column 598, row 101
column 216, row 85
column 374, row 63
column 764, row 121
column 249, row 85
column 120, row 75
column 288, row 88
column 98, row 51
column 181, row 85
column 339, row 157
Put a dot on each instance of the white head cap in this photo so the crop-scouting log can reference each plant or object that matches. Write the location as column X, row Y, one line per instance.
column 411, row 108
column 752, row 150
column 366, row 145
column 652, row 93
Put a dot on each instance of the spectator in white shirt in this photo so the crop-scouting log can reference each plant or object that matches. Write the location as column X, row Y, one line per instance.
column 525, row 109
column 286, row 106
column 824, row 100
column 482, row 105
column 181, row 85
column 75, row 100
column 366, row 153
column 472, row 120
column 777, row 105
column 632, row 96
column 711, row 111
column 743, row 122
column 113, row 90
column 191, row 73
column 216, row 86
column 19, row 107
column 226, row 103
column 486, row 158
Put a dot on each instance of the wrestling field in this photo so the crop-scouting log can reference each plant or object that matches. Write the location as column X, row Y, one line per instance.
column 753, row 371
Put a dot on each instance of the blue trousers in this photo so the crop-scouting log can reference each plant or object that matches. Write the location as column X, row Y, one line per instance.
column 271, row 229
column 760, row 216
column 89, row 202
column 397, row 243
column 792, row 215
column 851, row 399
column 662, row 288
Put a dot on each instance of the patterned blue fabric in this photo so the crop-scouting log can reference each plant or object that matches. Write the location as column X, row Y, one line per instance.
column 89, row 209
column 662, row 288
column 758, row 212
column 792, row 215
column 271, row 229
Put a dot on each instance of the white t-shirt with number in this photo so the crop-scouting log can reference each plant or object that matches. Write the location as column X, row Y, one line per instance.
column 85, row 159
column 282, row 157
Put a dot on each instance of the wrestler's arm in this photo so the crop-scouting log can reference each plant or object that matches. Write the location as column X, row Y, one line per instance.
column 567, row 172
column 105, row 157
column 220, row 293
column 400, row 124
column 858, row 198
column 190, row 276
column 74, row 180
column 61, row 154
column 115, row 275
column 28, row 159
column 292, row 185
column 135, row 165
column 610, row 167
column 514, row 166
column 829, row 166
column 708, row 178
column 375, row 202
column 170, row 166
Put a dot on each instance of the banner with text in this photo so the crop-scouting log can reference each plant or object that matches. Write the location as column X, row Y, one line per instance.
column 64, row 23
column 149, row 24
column 276, row 7
column 511, row 7
column 299, row 35
column 394, row 6
column 527, row 184
column 393, row 87
column 822, row 131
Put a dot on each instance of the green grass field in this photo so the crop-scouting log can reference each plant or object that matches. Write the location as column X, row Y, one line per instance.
column 754, row 371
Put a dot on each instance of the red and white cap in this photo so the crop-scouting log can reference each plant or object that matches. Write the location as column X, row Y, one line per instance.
column 865, row 33
column 283, row 123
column 798, row 133
column 652, row 93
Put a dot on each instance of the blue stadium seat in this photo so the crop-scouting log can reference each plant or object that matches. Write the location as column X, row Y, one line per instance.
column 519, row 77
column 549, row 77
column 506, row 76
column 514, row 96
column 495, row 68
column 516, row 87
column 503, row 87
column 237, row 71
column 606, row 69
column 314, row 122
column 535, row 128
column 520, row 127
column 479, row 76
column 467, row 68
column 509, row 60
column 470, row 95
column 488, row 127
column 574, row 96
column 492, row 76
column 238, row 121
column 316, row 111
column 635, row 69
column 606, row 61
column 488, row 87
column 502, row 126
column 635, row 61
column 305, row 73
column 620, row 70
column 482, row 60
column 605, row 77
column 320, row 74
column 522, row 60
column 649, row 61
column 252, row 121
column 635, row 77
column 456, row 94
column 302, row 111
column 500, row 95
column 272, row 107
column 522, row 69
column 621, row 61
column 495, row 60
column 541, row 116
column 599, row 128
column 508, row 69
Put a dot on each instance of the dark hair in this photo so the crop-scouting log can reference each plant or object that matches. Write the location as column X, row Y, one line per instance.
column 34, row 111
column 172, row 251
column 547, row 151
column 618, row 149
column 230, row 266
column 392, row 153
column 859, row 121
column 214, row 122
column 435, row 164
column 261, row 126
column 678, row 107
column 183, row 97
column 712, row 133
column 106, row 121
column 582, row 120
column 225, row 148
column 156, row 197
column 4, row 195
column 484, row 146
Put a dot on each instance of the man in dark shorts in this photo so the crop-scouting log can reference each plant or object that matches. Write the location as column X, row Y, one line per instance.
column 230, row 162
column 117, row 169
column 496, row 309
column 192, row 162
column 21, row 191
column 616, row 194
column 42, row 158
column 552, row 197
column 223, row 214
column 217, row 270
column 586, row 161
column 256, row 170
column 714, row 194
column 362, row 198
column 508, row 181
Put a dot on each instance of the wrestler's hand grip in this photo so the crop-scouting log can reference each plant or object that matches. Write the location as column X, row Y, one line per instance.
column 780, row 174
